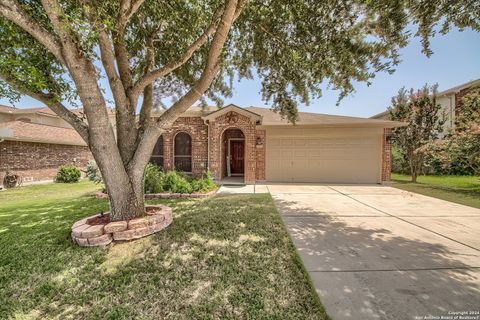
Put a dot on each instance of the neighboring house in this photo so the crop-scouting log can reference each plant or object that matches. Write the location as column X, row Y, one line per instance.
column 35, row 142
column 253, row 144
column 450, row 100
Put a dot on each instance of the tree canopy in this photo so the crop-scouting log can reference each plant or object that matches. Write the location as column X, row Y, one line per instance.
column 294, row 46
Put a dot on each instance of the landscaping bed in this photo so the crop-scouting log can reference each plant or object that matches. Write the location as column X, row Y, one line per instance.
column 225, row 257
column 98, row 230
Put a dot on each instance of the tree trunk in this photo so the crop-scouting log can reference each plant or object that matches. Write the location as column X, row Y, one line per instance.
column 125, row 189
column 413, row 172
column 125, row 203
column 413, row 166
column 414, row 176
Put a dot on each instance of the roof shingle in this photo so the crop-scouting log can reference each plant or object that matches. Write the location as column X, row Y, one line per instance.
column 34, row 132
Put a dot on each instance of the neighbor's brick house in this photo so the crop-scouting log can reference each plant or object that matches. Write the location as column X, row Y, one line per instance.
column 35, row 142
column 253, row 144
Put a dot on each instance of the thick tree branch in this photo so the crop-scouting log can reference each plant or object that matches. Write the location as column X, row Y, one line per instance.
column 212, row 65
column 147, row 103
column 209, row 72
column 176, row 63
column 107, row 57
column 11, row 10
column 127, row 9
column 52, row 102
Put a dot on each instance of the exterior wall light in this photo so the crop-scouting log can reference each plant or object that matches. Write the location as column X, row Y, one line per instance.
column 390, row 138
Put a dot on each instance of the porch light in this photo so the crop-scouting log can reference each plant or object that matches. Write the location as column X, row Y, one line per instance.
column 390, row 138
column 259, row 141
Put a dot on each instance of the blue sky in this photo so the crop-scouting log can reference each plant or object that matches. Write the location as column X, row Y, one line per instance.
column 455, row 61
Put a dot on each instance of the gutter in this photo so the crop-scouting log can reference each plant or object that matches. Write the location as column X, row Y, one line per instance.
column 207, row 123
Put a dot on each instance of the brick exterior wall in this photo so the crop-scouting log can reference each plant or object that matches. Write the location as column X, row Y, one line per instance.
column 198, row 131
column 386, row 156
column 39, row 161
column 260, row 151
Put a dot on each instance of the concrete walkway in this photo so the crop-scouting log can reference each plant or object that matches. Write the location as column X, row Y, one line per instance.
column 377, row 252
column 243, row 188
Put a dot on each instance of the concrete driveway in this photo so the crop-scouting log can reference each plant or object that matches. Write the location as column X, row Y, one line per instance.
column 376, row 252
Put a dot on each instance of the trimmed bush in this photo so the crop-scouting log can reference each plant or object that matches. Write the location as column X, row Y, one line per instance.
column 68, row 174
column 157, row 181
column 204, row 184
column 176, row 183
column 153, row 179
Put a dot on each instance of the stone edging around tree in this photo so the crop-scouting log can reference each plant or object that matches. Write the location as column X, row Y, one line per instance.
column 167, row 195
column 101, row 234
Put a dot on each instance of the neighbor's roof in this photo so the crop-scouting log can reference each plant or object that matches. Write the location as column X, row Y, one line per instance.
column 386, row 114
column 458, row 88
column 43, row 111
column 271, row 118
column 34, row 132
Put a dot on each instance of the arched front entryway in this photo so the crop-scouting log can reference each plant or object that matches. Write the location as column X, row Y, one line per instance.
column 233, row 154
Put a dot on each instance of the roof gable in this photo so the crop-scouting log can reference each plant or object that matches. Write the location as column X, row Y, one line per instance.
column 231, row 107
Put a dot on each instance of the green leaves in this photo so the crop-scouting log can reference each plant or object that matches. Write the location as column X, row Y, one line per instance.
column 295, row 46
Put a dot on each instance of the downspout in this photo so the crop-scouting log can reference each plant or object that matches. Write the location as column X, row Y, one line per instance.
column 208, row 143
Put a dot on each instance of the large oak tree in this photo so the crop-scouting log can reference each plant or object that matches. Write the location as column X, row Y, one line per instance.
column 56, row 51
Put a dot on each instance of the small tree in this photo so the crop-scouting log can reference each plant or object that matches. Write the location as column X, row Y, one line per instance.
column 425, row 122
column 464, row 144
column 468, row 115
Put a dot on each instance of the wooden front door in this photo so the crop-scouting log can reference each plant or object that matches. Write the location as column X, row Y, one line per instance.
column 236, row 157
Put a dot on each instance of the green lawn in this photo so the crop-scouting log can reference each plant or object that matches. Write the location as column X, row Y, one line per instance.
column 224, row 257
column 460, row 189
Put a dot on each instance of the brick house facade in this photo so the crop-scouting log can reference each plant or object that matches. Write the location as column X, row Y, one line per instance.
column 211, row 134
column 39, row 161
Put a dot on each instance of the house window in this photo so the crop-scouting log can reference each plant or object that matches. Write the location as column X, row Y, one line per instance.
column 157, row 154
column 183, row 152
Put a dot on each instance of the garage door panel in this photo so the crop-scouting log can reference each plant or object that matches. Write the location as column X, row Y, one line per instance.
column 324, row 158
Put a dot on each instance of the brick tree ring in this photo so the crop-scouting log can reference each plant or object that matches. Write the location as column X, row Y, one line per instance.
column 98, row 231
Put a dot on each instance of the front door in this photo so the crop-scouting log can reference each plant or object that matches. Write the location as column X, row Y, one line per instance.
column 236, row 157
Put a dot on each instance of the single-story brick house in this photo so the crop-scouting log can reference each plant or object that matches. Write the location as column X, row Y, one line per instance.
column 258, row 145
column 34, row 142
column 253, row 144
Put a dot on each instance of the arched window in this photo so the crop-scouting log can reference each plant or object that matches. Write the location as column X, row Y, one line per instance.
column 183, row 152
column 157, row 154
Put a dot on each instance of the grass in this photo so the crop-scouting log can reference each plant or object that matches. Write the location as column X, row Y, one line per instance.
column 459, row 189
column 224, row 257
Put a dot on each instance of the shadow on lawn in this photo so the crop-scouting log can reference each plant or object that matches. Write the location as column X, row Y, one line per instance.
column 367, row 268
column 223, row 257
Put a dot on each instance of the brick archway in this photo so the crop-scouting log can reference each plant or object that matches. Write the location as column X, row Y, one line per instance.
column 217, row 127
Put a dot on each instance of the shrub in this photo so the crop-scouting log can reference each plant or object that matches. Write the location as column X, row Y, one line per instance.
column 153, row 179
column 204, row 184
column 399, row 164
column 68, row 174
column 176, row 183
column 93, row 172
column 157, row 181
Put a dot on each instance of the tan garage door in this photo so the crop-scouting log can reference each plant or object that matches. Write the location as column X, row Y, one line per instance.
column 323, row 155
